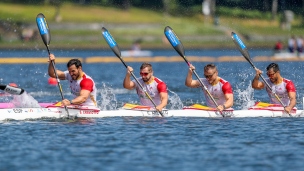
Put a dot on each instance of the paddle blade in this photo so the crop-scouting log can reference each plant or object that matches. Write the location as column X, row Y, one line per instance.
column 174, row 41
column 241, row 46
column 43, row 29
column 11, row 90
column 111, row 42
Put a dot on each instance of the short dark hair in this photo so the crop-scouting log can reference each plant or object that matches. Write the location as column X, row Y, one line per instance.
column 209, row 66
column 75, row 62
column 274, row 66
column 145, row 64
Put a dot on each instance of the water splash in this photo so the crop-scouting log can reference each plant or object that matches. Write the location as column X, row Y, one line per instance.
column 108, row 100
column 174, row 101
column 25, row 101
column 244, row 97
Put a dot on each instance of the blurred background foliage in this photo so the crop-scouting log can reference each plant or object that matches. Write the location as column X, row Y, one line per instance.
column 260, row 22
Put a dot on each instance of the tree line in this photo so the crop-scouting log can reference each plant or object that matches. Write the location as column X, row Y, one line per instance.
column 182, row 7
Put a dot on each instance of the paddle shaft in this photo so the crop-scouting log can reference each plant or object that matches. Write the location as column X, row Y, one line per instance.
column 58, row 81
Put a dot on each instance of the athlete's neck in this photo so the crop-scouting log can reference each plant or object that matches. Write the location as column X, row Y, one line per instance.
column 150, row 81
column 80, row 75
column 279, row 80
column 216, row 81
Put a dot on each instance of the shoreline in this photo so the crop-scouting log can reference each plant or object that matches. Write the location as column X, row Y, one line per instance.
column 112, row 59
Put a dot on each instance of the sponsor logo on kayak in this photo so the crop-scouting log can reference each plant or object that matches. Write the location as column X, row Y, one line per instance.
column 17, row 110
column 88, row 112
column 155, row 113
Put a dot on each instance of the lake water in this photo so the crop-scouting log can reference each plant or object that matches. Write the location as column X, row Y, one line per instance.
column 150, row 143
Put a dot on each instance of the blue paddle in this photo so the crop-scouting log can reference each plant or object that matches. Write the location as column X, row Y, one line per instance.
column 46, row 37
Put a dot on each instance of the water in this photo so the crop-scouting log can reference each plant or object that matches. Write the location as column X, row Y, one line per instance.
column 134, row 143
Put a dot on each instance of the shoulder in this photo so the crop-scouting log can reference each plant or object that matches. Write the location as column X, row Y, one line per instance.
column 227, row 88
column 286, row 80
column 157, row 80
column 86, row 79
column 289, row 85
column 222, row 81
column 161, row 86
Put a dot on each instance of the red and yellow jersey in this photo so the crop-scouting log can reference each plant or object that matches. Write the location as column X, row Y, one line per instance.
column 84, row 82
column 153, row 88
column 281, row 90
column 217, row 91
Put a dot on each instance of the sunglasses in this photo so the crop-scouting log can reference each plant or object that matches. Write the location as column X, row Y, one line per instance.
column 271, row 75
column 209, row 76
column 144, row 73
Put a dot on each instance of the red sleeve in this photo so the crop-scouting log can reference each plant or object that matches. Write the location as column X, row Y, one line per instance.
column 161, row 87
column 86, row 84
column 290, row 87
column 227, row 89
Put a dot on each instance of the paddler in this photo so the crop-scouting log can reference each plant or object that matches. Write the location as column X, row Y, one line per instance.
column 155, row 87
column 82, row 86
column 219, row 88
column 284, row 88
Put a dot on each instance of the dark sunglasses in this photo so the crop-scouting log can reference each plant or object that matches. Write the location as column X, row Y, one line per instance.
column 271, row 75
column 209, row 76
column 144, row 73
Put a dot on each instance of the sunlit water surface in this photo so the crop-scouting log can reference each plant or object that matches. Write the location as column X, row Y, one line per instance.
column 136, row 143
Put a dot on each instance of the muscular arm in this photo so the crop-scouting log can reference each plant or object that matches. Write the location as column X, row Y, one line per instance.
column 292, row 96
column 229, row 100
column 228, row 94
column 86, row 88
column 51, row 72
column 256, row 83
column 84, row 94
column 164, row 101
column 189, row 82
column 128, row 84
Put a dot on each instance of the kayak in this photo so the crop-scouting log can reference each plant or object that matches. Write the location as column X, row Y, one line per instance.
column 56, row 111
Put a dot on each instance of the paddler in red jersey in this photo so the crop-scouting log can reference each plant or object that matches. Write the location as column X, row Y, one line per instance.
column 155, row 87
column 284, row 88
column 82, row 86
column 219, row 88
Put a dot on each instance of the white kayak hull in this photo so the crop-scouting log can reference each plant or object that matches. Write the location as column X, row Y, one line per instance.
column 58, row 112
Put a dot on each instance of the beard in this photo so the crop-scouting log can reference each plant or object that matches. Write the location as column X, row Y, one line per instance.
column 146, row 79
column 75, row 76
column 273, row 80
